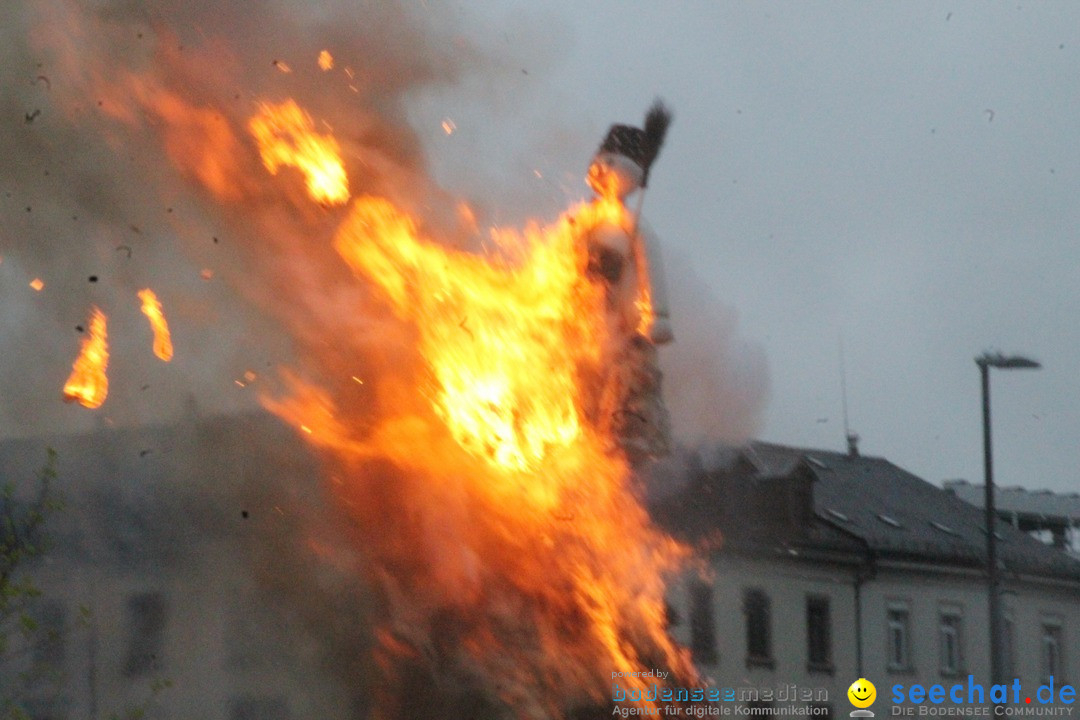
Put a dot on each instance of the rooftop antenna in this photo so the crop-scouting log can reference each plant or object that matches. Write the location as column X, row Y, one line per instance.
column 852, row 438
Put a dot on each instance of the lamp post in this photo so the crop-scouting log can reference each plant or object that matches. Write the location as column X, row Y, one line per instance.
column 985, row 362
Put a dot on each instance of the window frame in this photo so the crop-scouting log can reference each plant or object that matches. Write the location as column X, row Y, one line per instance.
column 1056, row 627
column 823, row 604
column 905, row 664
column 757, row 614
column 951, row 624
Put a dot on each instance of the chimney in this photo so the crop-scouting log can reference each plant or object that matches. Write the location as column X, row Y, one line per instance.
column 853, row 444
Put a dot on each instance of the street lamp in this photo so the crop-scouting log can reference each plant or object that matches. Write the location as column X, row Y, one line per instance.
column 985, row 362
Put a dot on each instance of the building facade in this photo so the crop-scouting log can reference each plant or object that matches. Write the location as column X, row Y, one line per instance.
column 833, row 567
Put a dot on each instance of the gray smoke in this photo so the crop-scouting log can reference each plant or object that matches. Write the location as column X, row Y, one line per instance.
column 127, row 159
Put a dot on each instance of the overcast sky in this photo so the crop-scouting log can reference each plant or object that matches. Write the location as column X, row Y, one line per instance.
column 904, row 175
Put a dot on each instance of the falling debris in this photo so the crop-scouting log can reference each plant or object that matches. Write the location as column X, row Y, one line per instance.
column 326, row 61
column 93, row 278
column 151, row 308
column 44, row 79
column 989, row 114
column 31, row 115
column 280, row 65
column 88, row 383
column 286, row 137
column 37, row 284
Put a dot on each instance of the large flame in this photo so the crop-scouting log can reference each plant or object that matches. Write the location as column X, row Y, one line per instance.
column 151, row 308
column 549, row 547
column 498, row 515
column 286, row 136
column 88, row 383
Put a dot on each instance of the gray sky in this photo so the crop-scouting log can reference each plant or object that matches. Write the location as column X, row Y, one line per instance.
column 901, row 174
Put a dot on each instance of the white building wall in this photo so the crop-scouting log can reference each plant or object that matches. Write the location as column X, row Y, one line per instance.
column 925, row 590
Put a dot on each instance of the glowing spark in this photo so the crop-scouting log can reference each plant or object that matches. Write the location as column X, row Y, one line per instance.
column 37, row 284
column 206, row 273
column 326, row 61
column 286, row 137
column 448, row 126
column 88, row 384
column 151, row 308
column 280, row 65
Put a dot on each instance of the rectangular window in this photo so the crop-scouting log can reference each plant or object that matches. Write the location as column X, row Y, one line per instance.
column 899, row 637
column 951, row 640
column 1053, row 664
column 146, row 634
column 758, row 629
column 818, row 634
column 702, row 624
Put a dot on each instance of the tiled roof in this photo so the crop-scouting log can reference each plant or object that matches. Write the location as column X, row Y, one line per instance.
column 1064, row 507
column 900, row 515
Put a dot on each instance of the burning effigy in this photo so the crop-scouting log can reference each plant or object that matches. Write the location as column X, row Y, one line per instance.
column 481, row 398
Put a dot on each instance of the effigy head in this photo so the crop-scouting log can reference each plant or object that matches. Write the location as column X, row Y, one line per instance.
column 621, row 164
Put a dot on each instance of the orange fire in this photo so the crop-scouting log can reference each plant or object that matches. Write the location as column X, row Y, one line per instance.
column 286, row 137
column 88, row 384
column 501, row 426
column 151, row 308
column 494, row 508
column 326, row 60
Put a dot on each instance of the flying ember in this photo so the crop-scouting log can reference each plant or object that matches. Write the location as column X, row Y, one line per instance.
column 88, row 384
column 151, row 308
column 286, row 137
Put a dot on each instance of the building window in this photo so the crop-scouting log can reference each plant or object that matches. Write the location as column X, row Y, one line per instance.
column 899, row 637
column 1053, row 664
column 818, row 634
column 146, row 638
column 758, row 631
column 702, row 624
column 951, row 640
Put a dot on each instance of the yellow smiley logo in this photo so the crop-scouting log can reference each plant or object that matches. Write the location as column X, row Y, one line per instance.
column 862, row 693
